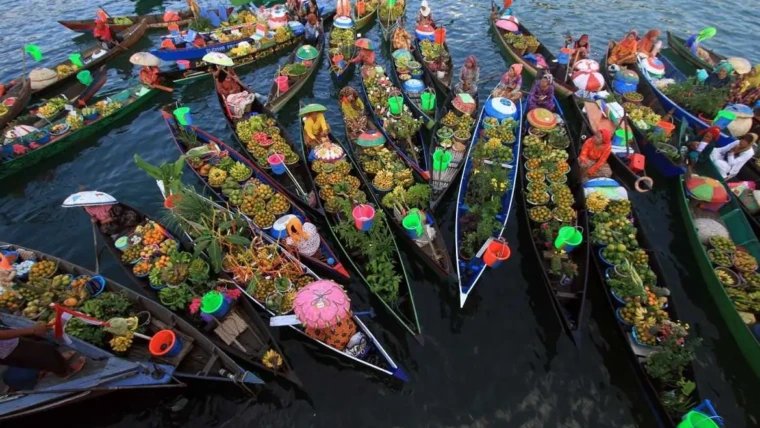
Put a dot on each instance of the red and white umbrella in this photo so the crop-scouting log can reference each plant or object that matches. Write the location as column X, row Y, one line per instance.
column 586, row 65
column 588, row 81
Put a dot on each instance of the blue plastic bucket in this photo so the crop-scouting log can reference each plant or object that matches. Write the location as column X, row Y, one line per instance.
column 44, row 139
column 91, row 117
column 564, row 56
column 416, row 73
column 279, row 228
column 215, row 304
column 95, row 285
column 601, row 257
column 364, row 217
column 165, row 344
column 622, row 87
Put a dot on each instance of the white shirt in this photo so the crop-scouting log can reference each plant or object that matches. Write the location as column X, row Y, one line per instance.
column 735, row 162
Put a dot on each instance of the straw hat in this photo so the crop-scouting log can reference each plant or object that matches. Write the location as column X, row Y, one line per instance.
column 424, row 9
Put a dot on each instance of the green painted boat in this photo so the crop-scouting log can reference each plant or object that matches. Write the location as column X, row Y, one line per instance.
column 403, row 309
column 387, row 25
column 362, row 22
column 138, row 95
column 678, row 45
column 741, row 233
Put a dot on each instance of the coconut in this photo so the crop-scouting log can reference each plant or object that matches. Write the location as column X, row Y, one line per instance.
column 42, row 77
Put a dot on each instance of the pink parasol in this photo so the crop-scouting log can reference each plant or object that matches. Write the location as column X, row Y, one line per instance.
column 588, row 81
column 321, row 304
column 507, row 25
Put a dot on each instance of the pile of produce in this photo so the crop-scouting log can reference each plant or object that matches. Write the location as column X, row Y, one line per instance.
column 295, row 70
column 369, row 7
column 736, row 269
column 64, row 70
column 75, row 121
column 697, row 98
column 432, row 50
column 260, row 134
column 106, row 108
column 122, row 20
column 51, row 107
column 642, row 116
column 282, row 34
column 342, row 38
column 389, row 14
column 401, row 128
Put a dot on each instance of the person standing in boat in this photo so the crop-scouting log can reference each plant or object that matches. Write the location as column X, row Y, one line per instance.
column 311, row 30
column 594, row 154
column 730, row 158
column 468, row 77
column 425, row 16
column 649, row 44
column 542, row 93
column 401, row 38
column 625, row 52
column 510, row 85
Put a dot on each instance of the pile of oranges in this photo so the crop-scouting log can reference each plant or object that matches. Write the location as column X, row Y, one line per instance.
column 153, row 236
column 161, row 262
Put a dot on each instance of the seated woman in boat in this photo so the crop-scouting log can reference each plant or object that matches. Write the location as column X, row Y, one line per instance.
column 703, row 149
column 365, row 57
column 624, row 53
column 468, row 77
column 721, row 77
column 542, row 93
column 338, row 335
column 149, row 75
column 746, row 89
column 510, row 85
column 401, row 38
column 309, row 7
column 311, row 30
column 17, row 350
column 730, row 158
column 582, row 48
column 649, row 44
column 425, row 16
column 594, row 154
column 225, row 80
column 343, row 8
column 113, row 219
column 103, row 34
column 353, row 111
column 315, row 128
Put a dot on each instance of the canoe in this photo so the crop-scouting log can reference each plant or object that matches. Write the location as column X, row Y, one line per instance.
column 154, row 20
column 413, row 98
column 137, row 96
column 568, row 295
column 387, row 25
column 561, row 88
column 325, row 260
column 187, row 51
column 402, row 307
column 248, row 346
column 440, row 181
column 15, row 100
column 277, row 99
column 368, row 351
column 360, row 23
column 413, row 151
column 733, row 218
column 199, row 68
column 678, row 45
column 470, row 270
column 93, row 57
column 296, row 181
column 93, row 381
column 340, row 75
column 443, row 85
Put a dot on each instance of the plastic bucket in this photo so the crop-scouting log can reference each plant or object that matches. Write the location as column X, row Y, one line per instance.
column 339, row 61
column 364, row 217
column 564, row 56
column 441, row 160
column 84, row 77
column 76, row 59
column 165, row 344
column 568, row 238
column 621, row 87
column 440, row 35
column 428, row 101
column 723, row 119
column 416, row 73
column 277, row 162
column 282, row 83
column 695, row 419
column 413, row 224
column 396, row 104
column 664, row 127
column 279, row 229
column 213, row 303
column 361, row 8
column 182, row 115
column 620, row 138
column 496, row 252
column 183, row 64
column 174, row 29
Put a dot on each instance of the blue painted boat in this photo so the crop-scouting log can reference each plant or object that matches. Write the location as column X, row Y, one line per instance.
column 470, row 270
column 191, row 53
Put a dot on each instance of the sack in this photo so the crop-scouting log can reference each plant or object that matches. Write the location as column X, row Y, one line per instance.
column 239, row 103
column 707, row 228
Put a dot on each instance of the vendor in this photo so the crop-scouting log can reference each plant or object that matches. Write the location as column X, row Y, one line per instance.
column 17, row 350
column 425, row 16
column 353, row 112
column 315, row 128
column 103, row 34
column 542, row 93
column 468, row 77
column 730, row 158
column 594, row 154
column 704, row 147
column 649, row 44
column 582, row 48
column 401, row 38
column 343, row 8
column 308, row 7
column 505, row 10
column 746, row 89
column 720, row 77
column 149, row 75
column 366, row 57
column 693, row 45
column 225, row 80
column 510, row 85
column 624, row 53
column 311, row 30
column 113, row 219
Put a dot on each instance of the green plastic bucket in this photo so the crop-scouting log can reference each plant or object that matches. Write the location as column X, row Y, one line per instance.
column 85, row 77
column 428, row 101
column 723, row 119
column 76, row 59
column 620, row 137
column 213, row 303
column 183, row 116
column 695, row 419
column 441, row 160
column 396, row 104
column 413, row 224
column 568, row 238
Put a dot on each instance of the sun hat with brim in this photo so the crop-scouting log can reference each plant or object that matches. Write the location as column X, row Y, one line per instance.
column 371, row 138
column 311, row 108
column 542, row 118
column 218, row 58
column 365, row 44
column 307, row 52
column 145, row 59
column 740, row 65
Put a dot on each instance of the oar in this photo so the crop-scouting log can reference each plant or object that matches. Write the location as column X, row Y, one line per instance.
column 95, row 245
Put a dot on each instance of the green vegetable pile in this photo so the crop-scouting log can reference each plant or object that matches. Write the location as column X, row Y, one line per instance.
column 246, row 128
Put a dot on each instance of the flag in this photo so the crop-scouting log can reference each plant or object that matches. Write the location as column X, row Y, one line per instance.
column 34, row 51
column 62, row 317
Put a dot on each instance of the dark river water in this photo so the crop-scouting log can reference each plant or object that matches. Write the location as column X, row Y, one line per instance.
column 502, row 361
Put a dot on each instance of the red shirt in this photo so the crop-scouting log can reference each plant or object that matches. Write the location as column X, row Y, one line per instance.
column 103, row 31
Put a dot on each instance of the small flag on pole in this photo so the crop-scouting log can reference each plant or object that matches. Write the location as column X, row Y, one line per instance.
column 34, row 51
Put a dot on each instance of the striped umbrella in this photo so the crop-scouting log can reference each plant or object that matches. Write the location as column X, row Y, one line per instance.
column 706, row 189
column 372, row 138
column 588, row 81
column 365, row 44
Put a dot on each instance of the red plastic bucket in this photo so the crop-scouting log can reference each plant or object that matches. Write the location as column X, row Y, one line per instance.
column 282, row 83
column 665, row 127
column 364, row 216
column 440, row 35
column 497, row 252
column 165, row 344
column 183, row 64
column 361, row 7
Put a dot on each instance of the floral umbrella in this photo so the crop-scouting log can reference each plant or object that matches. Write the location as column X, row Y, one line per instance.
column 706, row 189
column 321, row 304
column 371, row 138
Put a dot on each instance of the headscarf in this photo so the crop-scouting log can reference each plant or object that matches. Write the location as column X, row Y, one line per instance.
column 606, row 136
column 312, row 19
column 724, row 64
column 754, row 81
column 549, row 77
column 346, row 92
column 629, row 44
column 99, row 212
column 506, row 79
column 714, row 132
column 582, row 39
column 752, row 138
column 646, row 44
column 473, row 59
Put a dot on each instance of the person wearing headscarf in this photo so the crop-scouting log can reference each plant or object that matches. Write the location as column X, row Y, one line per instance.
column 103, row 34
column 542, row 93
column 353, row 112
column 309, row 7
column 720, row 77
column 582, row 48
column 343, row 8
column 624, row 52
column 149, row 75
column 401, row 38
column 425, row 17
column 510, row 85
column 703, row 148
column 649, row 44
column 594, row 154
column 730, row 158
column 225, row 80
column 505, row 10
column 746, row 89
column 366, row 57
column 468, row 76
column 311, row 30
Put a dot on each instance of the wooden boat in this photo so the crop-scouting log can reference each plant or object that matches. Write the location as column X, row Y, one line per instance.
column 277, row 99
column 387, row 25
column 324, row 260
column 678, row 45
column 338, row 74
column 248, row 345
column 413, row 99
column 372, row 355
column 296, row 181
column 189, row 51
column 15, row 100
column 470, row 270
column 561, row 88
column 199, row 68
column 440, row 181
column 442, row 84
column 199, row 359
column 93, row 57
column 740, row 232
column 152, row 21
column 413, row 152
column 402, row 309
column 568, row 294
column 133, row 98
column 361, row 22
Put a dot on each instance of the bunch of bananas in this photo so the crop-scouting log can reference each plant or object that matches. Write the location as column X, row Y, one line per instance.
column 122, row 343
